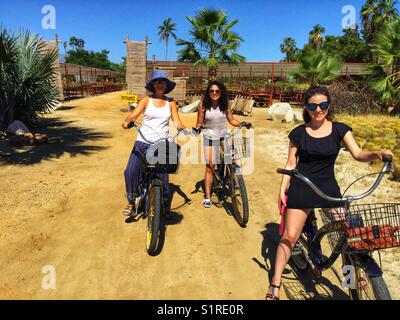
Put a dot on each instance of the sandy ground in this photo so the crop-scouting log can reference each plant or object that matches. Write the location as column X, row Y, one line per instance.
column 61, row 205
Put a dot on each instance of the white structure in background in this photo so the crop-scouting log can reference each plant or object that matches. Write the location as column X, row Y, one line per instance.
column 190, row 107
column 280, row 112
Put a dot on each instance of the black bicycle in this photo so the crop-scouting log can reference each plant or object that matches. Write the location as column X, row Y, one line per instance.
column 354, row 232
column 228, row 178
column 161, row 157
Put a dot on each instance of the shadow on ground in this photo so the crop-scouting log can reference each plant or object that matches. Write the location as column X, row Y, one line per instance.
column 64, row 138
column 298, row 285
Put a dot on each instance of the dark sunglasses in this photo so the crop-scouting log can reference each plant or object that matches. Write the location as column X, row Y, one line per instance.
column 323, row 106
column 214, row 91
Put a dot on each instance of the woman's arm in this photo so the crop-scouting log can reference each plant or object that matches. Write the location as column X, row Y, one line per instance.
column 231, row 119
column 358, row 154
column 200, row 115
column 136, row 112
column 175, row 116
column 290, row 165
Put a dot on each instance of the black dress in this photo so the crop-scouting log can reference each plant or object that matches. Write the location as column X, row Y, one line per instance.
column 316, row 160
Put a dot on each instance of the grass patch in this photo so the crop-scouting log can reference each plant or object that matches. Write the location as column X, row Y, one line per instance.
column 375, row 133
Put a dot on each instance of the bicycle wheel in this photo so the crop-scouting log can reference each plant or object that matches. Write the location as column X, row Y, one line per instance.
column 238, row 195
column 154, row 208
column 367, row 287
column 299, row 253
column 302, row 257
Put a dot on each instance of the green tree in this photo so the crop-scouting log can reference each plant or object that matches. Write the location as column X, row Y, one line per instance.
column 76, row 43
column 213, row 42
column 166, row 30
column 289, row 48
column 315, row 37
column 349, row 46
column 317, row 67
column 27, row 77
column 384, row 78
column 375, row 14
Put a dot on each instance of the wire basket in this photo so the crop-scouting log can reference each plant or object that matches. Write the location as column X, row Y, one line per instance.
column 160, row 158
column 240, row 148
column 366, row 227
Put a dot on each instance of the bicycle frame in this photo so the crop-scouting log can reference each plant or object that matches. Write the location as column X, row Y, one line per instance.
column 315, row 235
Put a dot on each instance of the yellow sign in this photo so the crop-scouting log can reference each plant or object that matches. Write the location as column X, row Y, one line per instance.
column 130, row 98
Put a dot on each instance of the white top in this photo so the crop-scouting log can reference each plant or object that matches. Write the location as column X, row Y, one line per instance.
column 155, row 125
column 215, row 124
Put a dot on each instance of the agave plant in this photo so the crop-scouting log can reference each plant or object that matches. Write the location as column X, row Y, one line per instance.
column 317, row 67
column 27, row 77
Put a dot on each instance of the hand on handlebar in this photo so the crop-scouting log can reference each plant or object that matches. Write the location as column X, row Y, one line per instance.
column 128, row 125
column 385, row 155
column 248, row 125
column 196, row 131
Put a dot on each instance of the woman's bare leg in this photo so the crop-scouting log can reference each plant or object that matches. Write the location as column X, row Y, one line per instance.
column 294, row 223
column 210, row 163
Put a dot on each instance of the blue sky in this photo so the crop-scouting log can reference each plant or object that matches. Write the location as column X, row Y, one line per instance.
column 104, row 24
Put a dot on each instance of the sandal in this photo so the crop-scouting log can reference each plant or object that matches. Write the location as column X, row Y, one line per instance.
column 272, row 296
column 129, row 210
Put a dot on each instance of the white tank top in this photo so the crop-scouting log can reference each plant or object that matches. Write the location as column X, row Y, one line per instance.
column 155, row 125
column 215, row 124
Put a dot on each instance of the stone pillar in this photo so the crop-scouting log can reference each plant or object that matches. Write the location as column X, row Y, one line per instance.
column 136, row 58
column 51, row 45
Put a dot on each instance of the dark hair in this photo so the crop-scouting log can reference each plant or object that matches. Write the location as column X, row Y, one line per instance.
column 312, row 91
column 223, row 100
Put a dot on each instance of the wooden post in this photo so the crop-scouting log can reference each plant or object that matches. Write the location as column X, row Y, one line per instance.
column 80, row 78
column 271, row 97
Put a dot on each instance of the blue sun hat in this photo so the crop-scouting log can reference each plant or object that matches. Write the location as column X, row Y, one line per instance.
column 158, row 74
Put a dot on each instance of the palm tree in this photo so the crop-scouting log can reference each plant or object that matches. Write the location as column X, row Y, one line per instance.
column 289, row 48
column 384, row 77
column 375, row 14
column 166, row 30
column 27, row 77
column 316, row 38
column 212, row 42
column 317, row 67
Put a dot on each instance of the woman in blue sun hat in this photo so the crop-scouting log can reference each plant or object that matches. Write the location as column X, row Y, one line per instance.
column 158, row 109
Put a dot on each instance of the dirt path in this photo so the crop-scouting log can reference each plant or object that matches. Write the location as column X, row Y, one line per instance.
column 60, row 205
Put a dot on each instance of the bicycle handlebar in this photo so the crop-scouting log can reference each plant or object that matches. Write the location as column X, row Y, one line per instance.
column 387, row 167
column 132, row 124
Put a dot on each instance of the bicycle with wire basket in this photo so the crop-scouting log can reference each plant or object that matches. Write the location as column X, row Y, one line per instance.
column 151, row 189
column 228, row 178
column 354, row 232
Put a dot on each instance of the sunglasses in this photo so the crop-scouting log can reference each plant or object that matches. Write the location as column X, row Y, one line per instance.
column 313, row 106
column 214, row 91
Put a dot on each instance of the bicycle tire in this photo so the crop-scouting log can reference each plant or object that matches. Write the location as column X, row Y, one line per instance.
column 240, row 210
column 378, row 288
column 298, row 259
column 153, row 216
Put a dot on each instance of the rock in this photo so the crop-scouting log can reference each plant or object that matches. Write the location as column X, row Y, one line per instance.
column 298, row 117
column 17, row 128
column 190, row 107
column 281, row 112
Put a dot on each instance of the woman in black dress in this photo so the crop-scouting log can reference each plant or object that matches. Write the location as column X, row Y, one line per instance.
column 313, row 149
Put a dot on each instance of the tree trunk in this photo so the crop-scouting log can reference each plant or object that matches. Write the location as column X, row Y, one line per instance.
column 166, row 48
column 212, row 74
